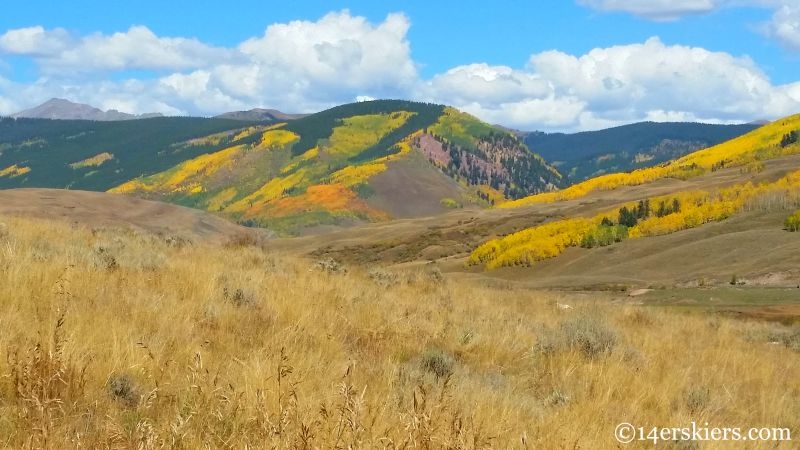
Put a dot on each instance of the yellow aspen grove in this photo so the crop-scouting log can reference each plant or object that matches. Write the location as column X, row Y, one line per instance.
column 667, row 214
column 747, row 151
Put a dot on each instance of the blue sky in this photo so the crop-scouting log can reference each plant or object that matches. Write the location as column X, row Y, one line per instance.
column 548, row 65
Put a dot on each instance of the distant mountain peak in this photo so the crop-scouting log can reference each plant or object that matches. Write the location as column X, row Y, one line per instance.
column 261, row 114
column 63, row 109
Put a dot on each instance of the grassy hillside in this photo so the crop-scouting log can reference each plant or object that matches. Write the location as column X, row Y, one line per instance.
column 268, row 183
column 237, row 346
column 97, row 156
column 100, row 209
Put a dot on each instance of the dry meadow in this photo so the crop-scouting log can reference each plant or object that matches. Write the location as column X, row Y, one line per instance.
column 112, row 338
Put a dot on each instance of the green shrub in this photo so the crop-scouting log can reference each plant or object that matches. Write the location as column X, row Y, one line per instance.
column 793, row 222
column 450, row 203
column 604, row 235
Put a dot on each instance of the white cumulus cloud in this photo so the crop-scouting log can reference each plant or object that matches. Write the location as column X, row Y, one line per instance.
column 296, row 66
column 488, row 85
column 35, row 41
column 307, row 66
column 615, row 85
column 137, row 48
column 339, row 56
column 785, row 25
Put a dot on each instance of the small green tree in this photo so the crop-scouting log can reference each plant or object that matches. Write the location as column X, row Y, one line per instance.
column 589, row 241
column 792, row 222
column 790, row 138
column 627, row 217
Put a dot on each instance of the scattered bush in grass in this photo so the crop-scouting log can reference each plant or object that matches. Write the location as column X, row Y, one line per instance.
column 250, row 238
column 590, row 334
column 122, row 388
column 104, row 259
column 383, row 277
column 170, row 363
column 176, row 241
column 640, row 316
column 633, row 358
column 438, row 362
column 239, row 296
column 790, row 337
column 557, row 398
column 435, row 274
column 329, row 265
column 584, row 332
column 698, row 398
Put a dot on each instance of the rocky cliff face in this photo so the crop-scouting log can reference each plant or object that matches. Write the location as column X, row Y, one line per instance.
column 499, row 160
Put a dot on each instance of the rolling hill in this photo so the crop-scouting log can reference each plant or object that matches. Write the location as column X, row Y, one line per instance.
column 584, row 155
column 367, row 161
column 355, row 163
column 100, row 210
column 700, row 221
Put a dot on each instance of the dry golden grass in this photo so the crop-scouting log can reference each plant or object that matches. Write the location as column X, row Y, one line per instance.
column 113, row 339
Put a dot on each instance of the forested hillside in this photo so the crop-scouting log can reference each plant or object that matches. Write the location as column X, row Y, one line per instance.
column 580, row 156
column 93, row 155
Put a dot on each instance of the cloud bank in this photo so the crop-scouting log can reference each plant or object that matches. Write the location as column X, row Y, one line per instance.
column 306, row 66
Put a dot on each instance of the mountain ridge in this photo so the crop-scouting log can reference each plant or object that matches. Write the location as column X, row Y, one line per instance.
column 260, row 114
column 354, row 163
column 62, row 109
column 587, row 154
